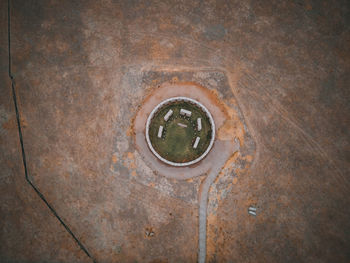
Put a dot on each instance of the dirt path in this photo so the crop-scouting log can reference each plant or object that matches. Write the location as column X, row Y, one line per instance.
column 227, row 148
column 223, row 148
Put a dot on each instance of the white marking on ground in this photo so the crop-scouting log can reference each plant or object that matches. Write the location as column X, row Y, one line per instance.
column 182, row 125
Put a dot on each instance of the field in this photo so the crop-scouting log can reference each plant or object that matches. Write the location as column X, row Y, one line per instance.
column 177, row 141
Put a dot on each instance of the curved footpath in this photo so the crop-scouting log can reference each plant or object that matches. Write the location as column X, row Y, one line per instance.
column 212, row 164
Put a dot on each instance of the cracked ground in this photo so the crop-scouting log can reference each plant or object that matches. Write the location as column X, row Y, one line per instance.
column 79, row 70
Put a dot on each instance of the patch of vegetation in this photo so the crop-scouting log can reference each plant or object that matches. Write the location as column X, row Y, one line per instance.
column 176, row 144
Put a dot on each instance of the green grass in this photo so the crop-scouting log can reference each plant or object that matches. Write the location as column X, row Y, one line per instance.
column 176, row 144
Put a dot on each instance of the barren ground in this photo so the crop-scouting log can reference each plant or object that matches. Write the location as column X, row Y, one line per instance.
column 278, row 73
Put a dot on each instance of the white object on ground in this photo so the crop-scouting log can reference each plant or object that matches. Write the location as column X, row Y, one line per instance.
column 199, row 124
column 167, row 116
column 182, row 125
column 160, row 131
column 196, row 142
column 185, row 112
column 252, row 213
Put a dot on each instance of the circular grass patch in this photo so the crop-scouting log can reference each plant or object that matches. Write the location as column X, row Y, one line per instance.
column 179, row 132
